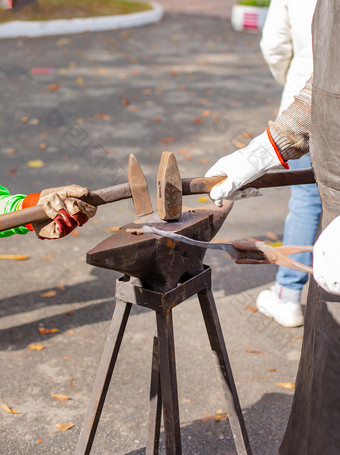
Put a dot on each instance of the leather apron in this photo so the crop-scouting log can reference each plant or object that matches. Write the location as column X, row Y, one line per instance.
column 314, row 423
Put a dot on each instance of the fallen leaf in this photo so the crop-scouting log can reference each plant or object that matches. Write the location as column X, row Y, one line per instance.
column 125, row 102
column 188, row 157
column 14, row 257
column 64, row 426
column 12, row 152
column 24, row 119
column 203, row 199
column 70, row 313
column 75, row 233
column 39, row 441
column 183, row 151
column 8, row 409
column 36, row 347
column 239, row 144
column 79, row 121
column 132, row 108
column 71, row 383
column 157, row 120
column 103, row 71
column 174, row 73
column 34, row 121
column 48, row 256
column 103, row 116
column 206, row 418
column 42, row 146
column 271, row 236
column 271, row 370
column 59, row 397
column 286, row 385
column 70, row 332
column 51, row 293
column 66, row 357
column 53, row 87
column 35, row 163
column 254, row 351
column 61, row 286
column 44, row 331
column 79, row 80
column 167, row 140
column 11, row 171
column 206, row 113
column 197, row 120
column 251, row 308
column 203, row 160
column 221, row 416
column 147, row 91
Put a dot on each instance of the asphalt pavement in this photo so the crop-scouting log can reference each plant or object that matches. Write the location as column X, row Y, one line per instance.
column 72, row 109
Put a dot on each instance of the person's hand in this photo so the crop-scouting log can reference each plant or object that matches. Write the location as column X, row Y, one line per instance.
column 244, row 166
column 65, row 210
column 326, row 254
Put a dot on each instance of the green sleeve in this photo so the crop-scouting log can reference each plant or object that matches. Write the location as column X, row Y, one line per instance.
column 9, row 204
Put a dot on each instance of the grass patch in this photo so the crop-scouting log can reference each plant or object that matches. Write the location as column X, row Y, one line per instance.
column 68, row 9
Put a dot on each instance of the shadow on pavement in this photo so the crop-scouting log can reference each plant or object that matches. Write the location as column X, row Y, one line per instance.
column 265, row 422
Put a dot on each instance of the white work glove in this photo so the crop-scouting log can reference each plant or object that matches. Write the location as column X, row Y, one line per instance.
column 242, row 167
column 326, row 253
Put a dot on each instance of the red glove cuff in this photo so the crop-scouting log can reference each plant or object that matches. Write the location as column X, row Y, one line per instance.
column 277, row 151
column 30, row 201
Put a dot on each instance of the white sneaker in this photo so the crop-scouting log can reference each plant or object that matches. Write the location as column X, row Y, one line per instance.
column 285, row 313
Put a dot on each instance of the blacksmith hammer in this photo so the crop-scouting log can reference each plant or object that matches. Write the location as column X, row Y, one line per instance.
column 136, row 188
column 171, row 188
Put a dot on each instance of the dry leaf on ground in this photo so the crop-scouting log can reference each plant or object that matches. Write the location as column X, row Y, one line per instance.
column 39, row 441
column 70, row 332
column 8, row 409
column 51, row 293
column 35, row 163
column 197, row 120
column 103, row 116
column 36, row 347
column 64, row 426
column 286, row 385
column 203, row 199
column 60, row 397
column 251, row 308
column 48, row 256
column 53, row 87
column 44, row 331
column 14, row 257
column 271, row 370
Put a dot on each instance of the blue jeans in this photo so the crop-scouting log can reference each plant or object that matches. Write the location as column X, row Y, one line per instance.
column 300, row 226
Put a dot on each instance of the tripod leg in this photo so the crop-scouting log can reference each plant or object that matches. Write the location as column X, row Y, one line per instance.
column 219, row 349
column 103, row 378
column 169, row 384
column 155, row 403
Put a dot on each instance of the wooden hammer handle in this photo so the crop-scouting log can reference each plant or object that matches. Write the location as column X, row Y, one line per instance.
column 37, row 213
column 201, row 185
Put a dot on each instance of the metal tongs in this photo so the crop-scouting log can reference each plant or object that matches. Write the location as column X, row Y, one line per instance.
column 245, row 251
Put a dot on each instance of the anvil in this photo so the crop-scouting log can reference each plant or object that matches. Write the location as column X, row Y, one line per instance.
column 160, row 263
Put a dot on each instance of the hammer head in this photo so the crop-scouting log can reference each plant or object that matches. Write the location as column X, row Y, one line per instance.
column 169, row 188
column 139, row 188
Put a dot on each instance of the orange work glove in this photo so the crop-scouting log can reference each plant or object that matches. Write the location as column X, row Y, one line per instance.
column 62, row 205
